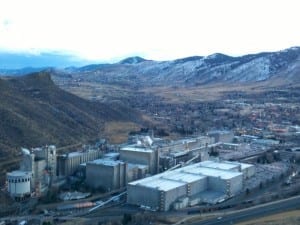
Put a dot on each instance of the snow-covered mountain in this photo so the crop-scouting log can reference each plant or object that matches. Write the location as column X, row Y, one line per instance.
column 191, row 71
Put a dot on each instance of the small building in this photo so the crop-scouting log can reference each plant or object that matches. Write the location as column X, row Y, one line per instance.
column 265, row 142
column 294, row 129
column 186, row 144
column 231, row 146
column 222, row 135
column 296, row 152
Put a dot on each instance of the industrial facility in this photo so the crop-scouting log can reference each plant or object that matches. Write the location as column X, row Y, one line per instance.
column 204, row 182
column 110, row 175
column 40, row 163
column 141, row 155
column 44, row 167
column 113, row 170
column 183, row 150
column 68, row 164
column 147, row 156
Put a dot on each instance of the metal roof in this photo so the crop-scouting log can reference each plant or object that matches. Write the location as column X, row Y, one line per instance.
column 183, row 176
column 163, row 184
column 140, row 166
column 212, row 172
column 19, row 173
column 106, row 162
column 111, row 154
column 136, row 149
column 179, row 153
column 219, row 165
column 245, row 165
column 74, row 154
column 219, row 132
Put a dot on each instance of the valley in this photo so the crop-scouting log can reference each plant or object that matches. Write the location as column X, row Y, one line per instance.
column 171, row 101
column 190, row 95
column 195, row 110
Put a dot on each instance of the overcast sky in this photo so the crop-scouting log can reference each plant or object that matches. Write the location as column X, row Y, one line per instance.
column 154, row 29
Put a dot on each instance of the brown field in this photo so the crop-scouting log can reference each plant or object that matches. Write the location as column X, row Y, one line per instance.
column 202, row 93
column 287, row 218
column 117, row 132
column 89, row 90
column 210, row 92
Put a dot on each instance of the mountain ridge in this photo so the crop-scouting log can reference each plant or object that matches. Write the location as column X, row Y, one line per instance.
column 197, row 70
column 133, row 60
column 193, row 70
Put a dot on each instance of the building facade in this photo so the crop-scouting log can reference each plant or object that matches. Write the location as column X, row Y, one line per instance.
column 68, row 164
column 204, row 182
column 110, row 175
column 142, row 156
column 19, row 184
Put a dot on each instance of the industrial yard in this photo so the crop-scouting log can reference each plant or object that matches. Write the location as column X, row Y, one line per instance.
column 150, row 177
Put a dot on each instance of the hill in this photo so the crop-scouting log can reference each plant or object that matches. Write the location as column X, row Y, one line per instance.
column 34, row 112
column 133, row 60
column 282, row 66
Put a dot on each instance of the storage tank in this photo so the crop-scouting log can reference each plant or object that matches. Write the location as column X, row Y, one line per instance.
column 19, row 183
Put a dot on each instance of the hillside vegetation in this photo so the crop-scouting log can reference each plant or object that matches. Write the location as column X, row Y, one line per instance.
column 35, row 112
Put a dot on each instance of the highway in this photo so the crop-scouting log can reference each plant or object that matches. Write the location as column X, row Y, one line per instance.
column 253, row 213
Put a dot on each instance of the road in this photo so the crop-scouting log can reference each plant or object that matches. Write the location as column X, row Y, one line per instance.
column 254, row 212
column 95, row 197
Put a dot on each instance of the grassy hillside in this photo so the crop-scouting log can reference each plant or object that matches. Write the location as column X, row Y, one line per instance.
column 34, row 112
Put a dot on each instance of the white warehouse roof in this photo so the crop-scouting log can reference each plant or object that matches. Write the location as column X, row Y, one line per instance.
column 183, row 176
column 189, row 174
column 163, row 184
column 211, row 172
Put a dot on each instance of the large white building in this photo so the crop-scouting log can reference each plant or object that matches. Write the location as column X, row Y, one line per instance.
column 206, row 181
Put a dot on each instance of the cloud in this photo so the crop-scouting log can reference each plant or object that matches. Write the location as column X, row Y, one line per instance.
column 5, row 25
column 6, row 22
column 157, row 29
